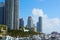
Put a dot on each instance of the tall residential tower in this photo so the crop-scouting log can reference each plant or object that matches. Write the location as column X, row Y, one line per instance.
column 30, row 22
column 39, row 25
column 11, row 14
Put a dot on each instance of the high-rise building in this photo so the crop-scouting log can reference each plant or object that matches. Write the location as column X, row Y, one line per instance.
column 39, row 25
column 11, row 14
column 21, row 23
column 30, row 22
column 1, row 13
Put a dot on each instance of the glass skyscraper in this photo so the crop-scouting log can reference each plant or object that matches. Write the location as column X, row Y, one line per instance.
column 1, row 13
column 11, row 14
column 21, row 23
column 39, row 25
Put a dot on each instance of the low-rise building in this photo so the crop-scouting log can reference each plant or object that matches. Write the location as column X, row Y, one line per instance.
column 3, row 30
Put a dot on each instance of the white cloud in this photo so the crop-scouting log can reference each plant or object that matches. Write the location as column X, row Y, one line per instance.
column 49, row 24
column 38, row 12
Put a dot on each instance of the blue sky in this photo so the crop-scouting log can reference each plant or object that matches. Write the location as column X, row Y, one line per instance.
column 1, row 0
column 51, row 8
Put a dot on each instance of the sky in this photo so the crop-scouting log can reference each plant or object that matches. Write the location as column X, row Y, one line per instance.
column 49, row 10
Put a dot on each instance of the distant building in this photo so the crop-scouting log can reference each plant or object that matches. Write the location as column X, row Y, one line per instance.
column 39, row 25
column 11, row 14
column 3, row 29
column 30, row 22
column 21, row 23
column 35, row 29
column 1, row 13
column 25, row 30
